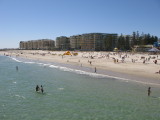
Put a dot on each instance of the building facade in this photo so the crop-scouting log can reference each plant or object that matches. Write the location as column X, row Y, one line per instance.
column 42, row 44
column 93, row 41
column 83, row 42
column 62, row 43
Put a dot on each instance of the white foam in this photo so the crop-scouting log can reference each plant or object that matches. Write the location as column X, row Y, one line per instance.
column 14, row 82
column 40, row 63
column 100, row 75
column 15, row 59
column 53, row 66
column 23, row 97
column 60, row 88
column 87, row 73
column 17, row 95
column 30, row 62
column 46, row 64
column 20, row 96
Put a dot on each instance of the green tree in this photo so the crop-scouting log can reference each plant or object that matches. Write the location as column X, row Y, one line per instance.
column 108, row 42
column 133, row 42
column 121, row 42
column 127, row 45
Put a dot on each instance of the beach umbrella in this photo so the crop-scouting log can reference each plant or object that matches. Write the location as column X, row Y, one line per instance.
column 154, row 50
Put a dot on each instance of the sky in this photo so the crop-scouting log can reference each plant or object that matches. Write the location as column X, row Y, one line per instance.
column 23, row 20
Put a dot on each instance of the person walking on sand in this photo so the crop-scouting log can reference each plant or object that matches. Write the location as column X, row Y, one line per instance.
column 42, row 89
column 149, row 91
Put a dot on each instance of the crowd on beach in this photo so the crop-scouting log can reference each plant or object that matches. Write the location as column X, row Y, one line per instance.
column 143, row 64
column 125, row 58
column 93, row 58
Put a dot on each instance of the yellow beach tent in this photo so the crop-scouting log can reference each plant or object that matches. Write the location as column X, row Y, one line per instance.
column 67, row 53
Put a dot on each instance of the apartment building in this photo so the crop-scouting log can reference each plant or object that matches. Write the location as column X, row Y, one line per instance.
column 84, row 42
column 43, row 44
column 93, row 41
column 63, row 43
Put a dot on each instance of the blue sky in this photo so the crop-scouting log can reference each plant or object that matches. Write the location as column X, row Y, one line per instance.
column 23, row 20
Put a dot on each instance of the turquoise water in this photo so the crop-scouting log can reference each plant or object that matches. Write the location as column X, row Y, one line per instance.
column 70, row 95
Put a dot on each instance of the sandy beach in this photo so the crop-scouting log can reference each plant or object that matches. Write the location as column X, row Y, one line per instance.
column 139, row 67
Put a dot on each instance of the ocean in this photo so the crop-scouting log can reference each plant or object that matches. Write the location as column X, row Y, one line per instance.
column 70, row 94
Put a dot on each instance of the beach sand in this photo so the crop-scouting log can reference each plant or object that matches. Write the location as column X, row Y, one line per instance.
column 139, row 67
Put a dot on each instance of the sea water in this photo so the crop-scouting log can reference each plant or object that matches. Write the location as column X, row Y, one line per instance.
column 70, row 94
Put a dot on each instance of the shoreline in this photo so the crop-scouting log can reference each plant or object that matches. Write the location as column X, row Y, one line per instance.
column 113, row 70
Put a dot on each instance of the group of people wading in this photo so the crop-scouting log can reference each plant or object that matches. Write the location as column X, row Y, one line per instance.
column 39, row 89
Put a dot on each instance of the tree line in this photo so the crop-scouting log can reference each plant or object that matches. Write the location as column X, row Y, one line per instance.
column 127, row 42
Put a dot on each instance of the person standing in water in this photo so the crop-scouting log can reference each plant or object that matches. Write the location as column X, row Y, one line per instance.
column 37, row 88
column 42, row 89
column 95, row 69
column 149, row 91
column 17, row 68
